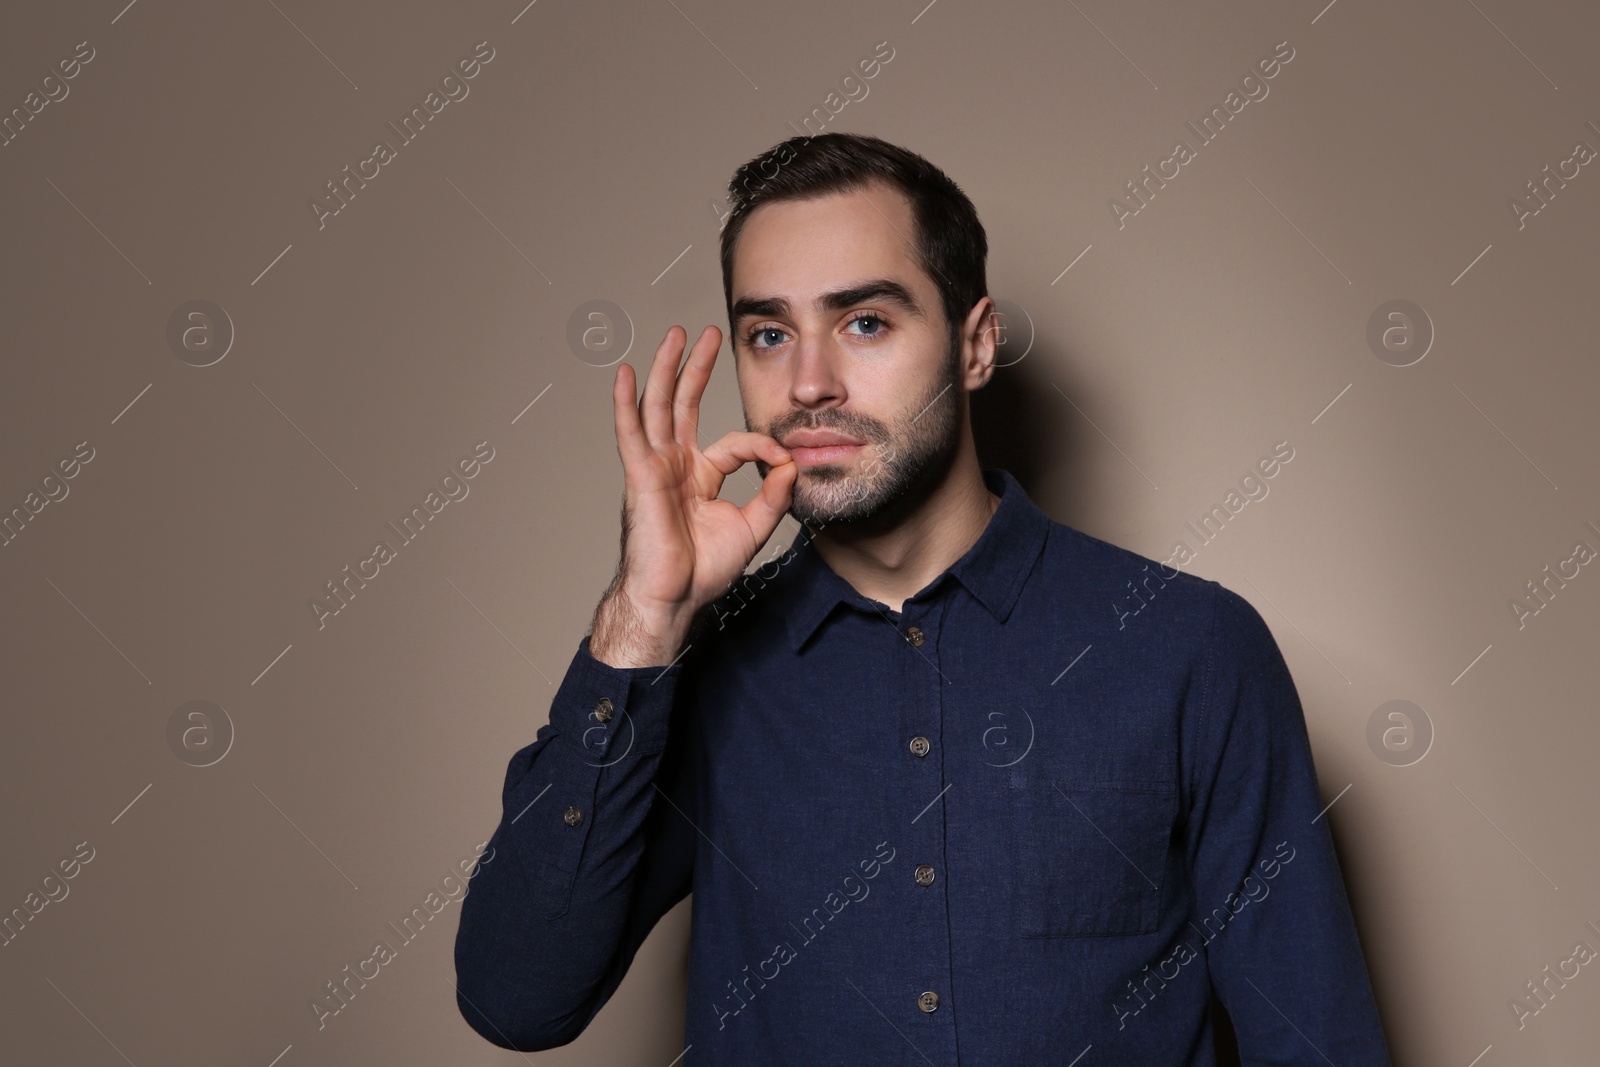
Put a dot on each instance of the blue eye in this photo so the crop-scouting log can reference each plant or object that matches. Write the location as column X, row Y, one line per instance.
column 757, row 334
column 880, row 324
column 764, row 337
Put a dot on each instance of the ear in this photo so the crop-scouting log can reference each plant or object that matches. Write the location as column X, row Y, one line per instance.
column 981, row 336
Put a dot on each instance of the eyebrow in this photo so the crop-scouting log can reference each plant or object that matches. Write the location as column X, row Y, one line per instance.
column 884, row 289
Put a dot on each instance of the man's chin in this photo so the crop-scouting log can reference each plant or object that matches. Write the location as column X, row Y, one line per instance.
column 850, row 504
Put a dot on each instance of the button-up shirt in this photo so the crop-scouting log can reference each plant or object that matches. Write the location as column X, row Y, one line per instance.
column 1038, row 815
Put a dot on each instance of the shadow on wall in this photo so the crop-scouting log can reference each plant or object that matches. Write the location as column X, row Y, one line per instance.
column 1227, row 1044
column 1014, row 423
column 1023, row 421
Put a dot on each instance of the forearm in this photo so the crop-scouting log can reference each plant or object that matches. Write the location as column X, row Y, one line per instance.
column 588, row 856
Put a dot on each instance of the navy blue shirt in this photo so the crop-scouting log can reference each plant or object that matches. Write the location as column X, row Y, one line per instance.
column 1039, row 813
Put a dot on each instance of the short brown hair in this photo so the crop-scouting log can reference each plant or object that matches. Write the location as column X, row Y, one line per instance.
column 950, row 242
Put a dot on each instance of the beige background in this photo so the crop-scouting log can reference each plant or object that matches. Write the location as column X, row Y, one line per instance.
column 589, row 161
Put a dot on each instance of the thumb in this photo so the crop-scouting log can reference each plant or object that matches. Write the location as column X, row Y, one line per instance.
column 767, row 508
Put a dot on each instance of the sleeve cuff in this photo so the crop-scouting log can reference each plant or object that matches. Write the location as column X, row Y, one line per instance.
column 609, row 712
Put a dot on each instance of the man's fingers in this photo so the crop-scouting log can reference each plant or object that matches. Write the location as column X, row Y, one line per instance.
column 768, row 507
column 631, row 441
column 655, row 406
column 692, row 385
column 737, row 447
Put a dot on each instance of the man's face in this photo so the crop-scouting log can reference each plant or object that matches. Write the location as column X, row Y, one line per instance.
column 836, row 328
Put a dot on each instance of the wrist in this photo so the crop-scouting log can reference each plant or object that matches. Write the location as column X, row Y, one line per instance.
column 626, row 634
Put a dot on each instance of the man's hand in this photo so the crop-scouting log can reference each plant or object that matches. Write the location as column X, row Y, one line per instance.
column 682, row 547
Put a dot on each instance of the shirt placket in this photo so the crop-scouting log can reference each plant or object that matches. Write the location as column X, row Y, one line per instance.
column 929, row 1010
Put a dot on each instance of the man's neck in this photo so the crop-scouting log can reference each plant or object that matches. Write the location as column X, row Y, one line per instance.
column 890, row 565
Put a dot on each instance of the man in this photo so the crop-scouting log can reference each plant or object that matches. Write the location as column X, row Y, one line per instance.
column 951, row 782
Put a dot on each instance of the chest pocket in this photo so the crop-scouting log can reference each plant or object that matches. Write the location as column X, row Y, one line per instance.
column 1092, row 858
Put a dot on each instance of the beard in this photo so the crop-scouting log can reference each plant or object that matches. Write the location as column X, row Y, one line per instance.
column 899, row 466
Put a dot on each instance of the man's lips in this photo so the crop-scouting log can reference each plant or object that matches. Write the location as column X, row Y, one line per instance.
column 821, row 453
column 819, row 446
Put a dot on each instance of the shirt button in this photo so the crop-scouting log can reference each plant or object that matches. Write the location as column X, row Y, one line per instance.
column 572, row 816
column 924, row 874
column 914, row 635
column 928, row 1001
column 602, row 710
column 919, row 746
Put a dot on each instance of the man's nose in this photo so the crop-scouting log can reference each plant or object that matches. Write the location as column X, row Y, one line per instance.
column 815, row 372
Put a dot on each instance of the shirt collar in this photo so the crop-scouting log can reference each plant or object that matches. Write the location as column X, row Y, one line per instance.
column 993, row 570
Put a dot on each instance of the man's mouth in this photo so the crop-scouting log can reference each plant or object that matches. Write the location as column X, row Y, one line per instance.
column 810, row 447
column 821, row 453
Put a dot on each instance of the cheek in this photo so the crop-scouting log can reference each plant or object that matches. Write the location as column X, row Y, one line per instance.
column 889, row 376
column 762, row 395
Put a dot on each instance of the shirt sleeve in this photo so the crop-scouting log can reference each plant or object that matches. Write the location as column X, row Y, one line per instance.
column 1270, row 905
column 593, row 847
